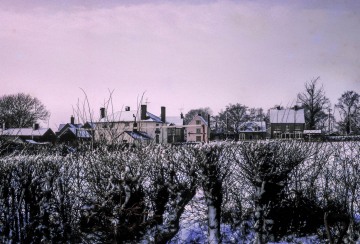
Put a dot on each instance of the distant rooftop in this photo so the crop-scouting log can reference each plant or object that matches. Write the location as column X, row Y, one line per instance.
column 282, row 116
column 253, row 126
column 25, row 132
column 128, row 116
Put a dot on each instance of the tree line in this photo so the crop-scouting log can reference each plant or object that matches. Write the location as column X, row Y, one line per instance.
column 259, row 191
column 319, row 112
column 22, row 110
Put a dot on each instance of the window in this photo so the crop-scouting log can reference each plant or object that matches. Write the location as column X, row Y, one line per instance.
column 198, row 122
column 127, row 124
column 277, row 134
column 297, row 127
column 157, row 139
column 298, row 135
column 198, row 138
column 198, row 131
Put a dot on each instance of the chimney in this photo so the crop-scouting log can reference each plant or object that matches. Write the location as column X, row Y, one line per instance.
column 163, row 114
column 181, row 116
column 135, row 124
column 72, row 120
column 127, row 108
column 102, row 113
column 35, row 126
column 143, row 112
column 208, row 120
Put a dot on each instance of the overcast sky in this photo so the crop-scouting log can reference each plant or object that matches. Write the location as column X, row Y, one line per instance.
column 182, row 54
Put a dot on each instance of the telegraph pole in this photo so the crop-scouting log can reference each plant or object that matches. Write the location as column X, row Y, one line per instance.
column 329, row 127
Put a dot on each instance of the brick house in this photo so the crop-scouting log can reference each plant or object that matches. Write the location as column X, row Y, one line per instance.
column 286, row 123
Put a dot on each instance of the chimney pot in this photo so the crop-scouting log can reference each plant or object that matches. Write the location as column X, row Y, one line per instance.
column 35, row 126
column 143, row 112
column 163, row 114
column 102, row 113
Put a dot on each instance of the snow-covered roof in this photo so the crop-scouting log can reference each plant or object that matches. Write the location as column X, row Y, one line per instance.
column 62, row 126
column 89, row 125
column 174, row 120
column 253, row 126
column 37, row 143
column 198, row 117
column 312, row 132
column 25, row 132
column 80, row 133
column 152, row 117
column 139, row 135
column 128, row 116
column 121, row 116
column 285, row 116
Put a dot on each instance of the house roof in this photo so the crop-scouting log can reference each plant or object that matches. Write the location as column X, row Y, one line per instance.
column 139, row 135
column 198, row 117
column 286, row 116
column 77, row 132
column 26, row 132
column 89, row 125
column 121, row 116
column 253, row 126
column 37, row 143
column 174, row 120
column 312, row 132
column 128, row 116
column 63, row 126
column 153, row 117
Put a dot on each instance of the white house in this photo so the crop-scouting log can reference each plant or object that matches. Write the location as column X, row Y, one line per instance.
column 130, row 125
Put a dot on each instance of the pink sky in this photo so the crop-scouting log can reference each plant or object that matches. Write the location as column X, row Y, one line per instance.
column 184, row 55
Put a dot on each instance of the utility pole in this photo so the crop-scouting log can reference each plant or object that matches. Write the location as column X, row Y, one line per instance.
column 329, row 127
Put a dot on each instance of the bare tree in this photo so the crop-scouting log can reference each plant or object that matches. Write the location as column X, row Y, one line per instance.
column 315, row 103
column 349, row 106
column 204, row 112
column 267, row 167
column 21, row 110
column 344, row 181
column 174, row 178
column 214, row 167
column 232, row 117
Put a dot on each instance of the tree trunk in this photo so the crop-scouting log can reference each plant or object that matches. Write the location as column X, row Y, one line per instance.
column 213, row 222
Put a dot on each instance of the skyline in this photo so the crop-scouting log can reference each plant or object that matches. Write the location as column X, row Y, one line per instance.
column 183, row 55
